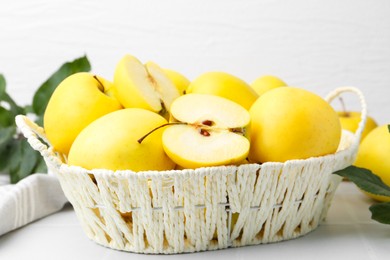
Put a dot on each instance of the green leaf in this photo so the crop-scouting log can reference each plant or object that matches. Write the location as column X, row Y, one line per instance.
column 28, row 109
column 22, row 161
column 365, row 180
column 40, row 167
column 29, row 159
column 388, row 127
column 2, row 85
column 44, row 92
column 3, row 162
column 19, row 160
column 6, row 135
column 14, row 108
column 381, row 212
column 13, row 159
column 6, row 139
column 6, row 118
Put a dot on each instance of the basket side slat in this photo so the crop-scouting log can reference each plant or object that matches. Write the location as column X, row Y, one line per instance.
column 262, row 203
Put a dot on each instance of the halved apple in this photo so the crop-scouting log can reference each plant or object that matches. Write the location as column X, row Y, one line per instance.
column 179, row 80
column 142, row 86
column 206, row 130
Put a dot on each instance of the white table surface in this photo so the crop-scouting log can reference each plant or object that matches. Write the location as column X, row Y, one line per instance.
column 348, row 233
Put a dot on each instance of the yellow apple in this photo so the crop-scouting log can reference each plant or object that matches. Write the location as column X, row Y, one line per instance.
column 143, row 86
column 178, row 79
column 350, row 121
column 292, row 123
column 267, row 82
column 224, row 85
column 111, row 142
column 207, row 131
column 373, row 154
column 77, row 101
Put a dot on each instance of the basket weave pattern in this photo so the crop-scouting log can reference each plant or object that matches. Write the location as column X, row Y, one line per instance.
column 203, row 209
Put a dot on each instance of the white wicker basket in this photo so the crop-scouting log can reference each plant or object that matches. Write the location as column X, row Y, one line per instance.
column 203, row 209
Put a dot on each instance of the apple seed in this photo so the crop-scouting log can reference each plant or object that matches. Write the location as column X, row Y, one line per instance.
column 238, row 130
column 208, row 122
column 204, row 132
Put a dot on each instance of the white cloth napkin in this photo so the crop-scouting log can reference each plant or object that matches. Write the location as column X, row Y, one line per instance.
column 32, row 198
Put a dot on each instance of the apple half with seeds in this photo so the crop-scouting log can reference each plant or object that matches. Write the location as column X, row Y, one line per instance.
column 206, row 130
column 143, row 86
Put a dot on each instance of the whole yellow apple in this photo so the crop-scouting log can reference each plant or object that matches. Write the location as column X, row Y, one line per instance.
column 178, row 79
column 373, row 154
column 267, row 82
column 77, row 101
column 292, row 123
column 350, row 121
column 224, row 85
column 111, row 142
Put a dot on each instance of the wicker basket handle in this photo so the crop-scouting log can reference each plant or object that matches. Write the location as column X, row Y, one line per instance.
column 36, row 137
column 363, row 118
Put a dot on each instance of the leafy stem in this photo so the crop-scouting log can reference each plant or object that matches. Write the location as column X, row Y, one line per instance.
column 371, row 183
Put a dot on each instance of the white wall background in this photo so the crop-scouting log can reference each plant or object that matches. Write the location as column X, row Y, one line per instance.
column 313, row 44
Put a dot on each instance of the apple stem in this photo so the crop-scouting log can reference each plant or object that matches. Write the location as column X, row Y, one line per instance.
column 161, row 126
column 343, row 108
column 100, row 84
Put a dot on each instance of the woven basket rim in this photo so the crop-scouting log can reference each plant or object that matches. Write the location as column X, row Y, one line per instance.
column 173, row 172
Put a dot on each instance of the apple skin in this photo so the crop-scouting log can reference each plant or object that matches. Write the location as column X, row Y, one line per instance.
column 111, row 142
column 77, row 101
column 224, row 85
column 373, row 154
column 178, row 79
column 350, row 121
column 267, row 82
column 292, row 123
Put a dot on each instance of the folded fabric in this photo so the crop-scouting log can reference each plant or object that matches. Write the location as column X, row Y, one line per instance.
column 32, row 198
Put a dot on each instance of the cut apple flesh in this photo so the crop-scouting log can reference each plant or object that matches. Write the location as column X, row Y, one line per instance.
column 137, row 87
column 212, row 132
column 189, row 148
column 166, row 90
column 197, row 108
